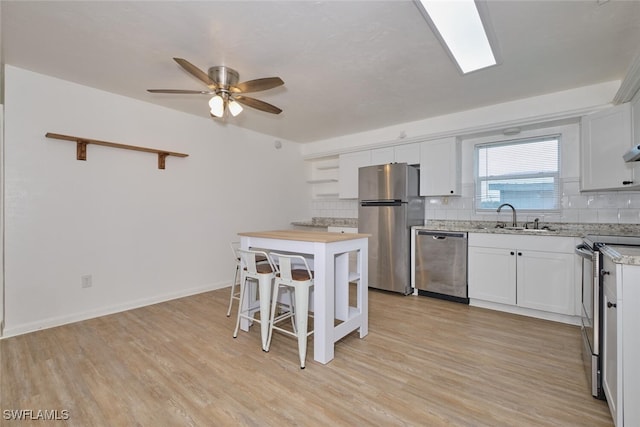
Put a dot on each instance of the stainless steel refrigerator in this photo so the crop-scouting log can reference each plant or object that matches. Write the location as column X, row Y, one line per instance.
column 389, row 205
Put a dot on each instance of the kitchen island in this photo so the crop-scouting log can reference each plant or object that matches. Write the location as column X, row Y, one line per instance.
column 330, row 252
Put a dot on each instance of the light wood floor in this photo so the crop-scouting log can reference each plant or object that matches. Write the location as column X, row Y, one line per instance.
column 425, row 362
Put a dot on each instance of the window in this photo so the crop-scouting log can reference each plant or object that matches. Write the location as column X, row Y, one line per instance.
column 524, row 173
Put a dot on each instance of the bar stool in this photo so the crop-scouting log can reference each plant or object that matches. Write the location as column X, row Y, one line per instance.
column 263, row 273
column 235, row 295
column 300, row 280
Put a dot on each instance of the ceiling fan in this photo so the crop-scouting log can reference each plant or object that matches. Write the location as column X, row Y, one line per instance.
column 227, row 93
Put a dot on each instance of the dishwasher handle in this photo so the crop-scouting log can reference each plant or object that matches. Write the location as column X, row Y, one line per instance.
column 438, row 235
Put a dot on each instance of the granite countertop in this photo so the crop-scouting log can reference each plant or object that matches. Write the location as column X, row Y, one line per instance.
column 546, row 228
column 552, row 228
column 629, row 255
column 324, row 222
column 490, row 228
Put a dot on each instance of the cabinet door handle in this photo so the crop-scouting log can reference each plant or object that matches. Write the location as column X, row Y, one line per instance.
column 604, row 272
column 519, row 253
column 627, row 182
column 611, row 304
column 513, row 253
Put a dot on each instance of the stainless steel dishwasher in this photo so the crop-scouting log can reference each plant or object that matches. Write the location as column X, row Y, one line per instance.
column 441, row 265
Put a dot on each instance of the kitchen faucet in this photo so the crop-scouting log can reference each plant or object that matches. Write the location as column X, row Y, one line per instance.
column 514, row 224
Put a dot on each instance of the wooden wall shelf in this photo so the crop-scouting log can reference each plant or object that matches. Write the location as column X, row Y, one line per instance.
column 81, row 150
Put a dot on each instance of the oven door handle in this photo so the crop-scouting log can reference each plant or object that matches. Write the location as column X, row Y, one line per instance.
column 584, row 251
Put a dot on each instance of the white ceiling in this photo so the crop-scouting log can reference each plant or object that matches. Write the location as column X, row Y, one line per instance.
column 348, row 66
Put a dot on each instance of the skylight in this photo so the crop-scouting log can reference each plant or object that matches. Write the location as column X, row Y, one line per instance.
column 459, row 26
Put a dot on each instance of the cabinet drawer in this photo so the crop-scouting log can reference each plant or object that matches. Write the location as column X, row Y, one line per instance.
column 334, row 229
column 559, row 244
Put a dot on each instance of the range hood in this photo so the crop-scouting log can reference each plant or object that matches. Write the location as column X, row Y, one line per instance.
column 632, row 155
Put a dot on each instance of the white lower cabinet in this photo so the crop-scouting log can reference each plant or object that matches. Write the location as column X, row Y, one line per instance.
column 621, row 342
column 532, row 272
column 492, row 274
column 545, row 281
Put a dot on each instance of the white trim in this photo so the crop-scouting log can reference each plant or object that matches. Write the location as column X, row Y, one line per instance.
column 465, row 132
column 555, row 317
column 103, row 311
column 631, row 83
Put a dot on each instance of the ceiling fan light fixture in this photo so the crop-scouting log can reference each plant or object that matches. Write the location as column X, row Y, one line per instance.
column 217, row 106
column 222, row 83
column 235, row 108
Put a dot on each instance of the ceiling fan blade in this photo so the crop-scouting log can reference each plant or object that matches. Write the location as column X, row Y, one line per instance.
column 200, row 92
column 197, row 72
column 257, row 104
column 257, row 85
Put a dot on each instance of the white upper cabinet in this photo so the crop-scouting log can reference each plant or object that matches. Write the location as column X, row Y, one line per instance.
column 406, row 153
column 606, row 136
column 440, row 171
column 348, row 165
column 381, row 156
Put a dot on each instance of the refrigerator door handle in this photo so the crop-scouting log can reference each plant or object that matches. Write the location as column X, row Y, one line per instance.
column 374, row 203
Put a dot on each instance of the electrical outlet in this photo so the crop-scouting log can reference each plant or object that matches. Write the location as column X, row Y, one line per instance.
column 86, row 281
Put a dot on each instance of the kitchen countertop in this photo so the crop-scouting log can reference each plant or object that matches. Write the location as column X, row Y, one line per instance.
column 490, row 228
column 324, row 222
column 629, row 255
column 555, row 228
column 304, row 236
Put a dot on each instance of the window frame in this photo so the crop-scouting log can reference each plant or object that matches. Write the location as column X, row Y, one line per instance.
column 510, row 142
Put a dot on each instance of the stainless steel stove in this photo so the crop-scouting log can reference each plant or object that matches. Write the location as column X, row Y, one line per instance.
column 592, row 295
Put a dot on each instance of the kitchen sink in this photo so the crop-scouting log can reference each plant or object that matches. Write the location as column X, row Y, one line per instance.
column 511, row 228
column 535, row 230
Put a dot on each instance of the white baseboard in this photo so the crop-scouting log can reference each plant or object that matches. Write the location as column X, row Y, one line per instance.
column 555, row 317
column 103, row 311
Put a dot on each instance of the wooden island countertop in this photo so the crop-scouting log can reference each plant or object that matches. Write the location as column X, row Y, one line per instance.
column 305, row 236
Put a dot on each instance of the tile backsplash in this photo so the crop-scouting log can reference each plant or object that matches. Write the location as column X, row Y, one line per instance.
column 612, row 207
column 334, row 208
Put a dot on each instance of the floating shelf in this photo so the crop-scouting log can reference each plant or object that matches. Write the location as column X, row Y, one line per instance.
column 326, row 168
column 327, row 195
column 81, row 149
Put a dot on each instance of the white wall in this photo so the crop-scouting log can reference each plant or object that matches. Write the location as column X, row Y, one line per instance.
column 144, row 234
column 2, row 310
column 538, row 109
column 617, row 207
column 611, row 207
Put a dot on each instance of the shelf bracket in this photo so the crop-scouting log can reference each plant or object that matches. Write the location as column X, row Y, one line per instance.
column 161, row 160
column 81, row 150
column 81, row 147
